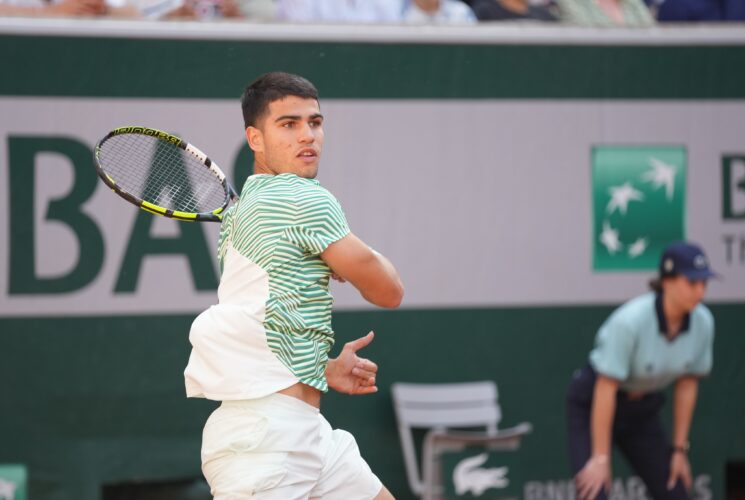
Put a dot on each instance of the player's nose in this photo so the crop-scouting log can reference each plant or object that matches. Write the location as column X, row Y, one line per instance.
column 306, row 133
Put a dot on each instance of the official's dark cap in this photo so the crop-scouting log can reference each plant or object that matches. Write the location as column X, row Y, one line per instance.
column 686, row 259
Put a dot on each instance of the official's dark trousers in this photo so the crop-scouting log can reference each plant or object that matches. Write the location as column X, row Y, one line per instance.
column 637, row 432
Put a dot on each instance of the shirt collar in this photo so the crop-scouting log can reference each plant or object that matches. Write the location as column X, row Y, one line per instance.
column 662, row 321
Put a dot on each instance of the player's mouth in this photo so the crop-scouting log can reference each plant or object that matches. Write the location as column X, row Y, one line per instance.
column 308, row 154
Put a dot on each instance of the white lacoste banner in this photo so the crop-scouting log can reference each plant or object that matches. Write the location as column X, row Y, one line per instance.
column 477, row 202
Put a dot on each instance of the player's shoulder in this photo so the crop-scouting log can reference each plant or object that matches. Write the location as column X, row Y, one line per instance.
column 309, row 192
column 286, row 185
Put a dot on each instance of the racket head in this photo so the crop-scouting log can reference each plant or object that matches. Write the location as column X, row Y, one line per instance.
column 163, row 174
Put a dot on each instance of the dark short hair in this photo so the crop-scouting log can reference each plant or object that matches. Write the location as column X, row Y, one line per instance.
column 271, row 87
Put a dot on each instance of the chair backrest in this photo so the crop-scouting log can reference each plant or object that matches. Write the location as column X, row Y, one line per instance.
column 440, row 406
column 468, row 404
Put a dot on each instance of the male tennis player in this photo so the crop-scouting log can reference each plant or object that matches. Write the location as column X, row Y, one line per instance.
column 263, row 350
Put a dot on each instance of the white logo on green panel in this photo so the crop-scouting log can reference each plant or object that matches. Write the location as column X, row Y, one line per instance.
column 469, row 476
column 12, row 482
column 638, row 195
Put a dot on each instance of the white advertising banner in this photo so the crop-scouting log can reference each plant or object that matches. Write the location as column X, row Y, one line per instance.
column 477, row 202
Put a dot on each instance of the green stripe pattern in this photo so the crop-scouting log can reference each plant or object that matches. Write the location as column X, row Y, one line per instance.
column 282, row 223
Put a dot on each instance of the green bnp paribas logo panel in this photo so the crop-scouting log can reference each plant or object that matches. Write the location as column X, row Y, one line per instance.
column 638, row 195
column 13, row 482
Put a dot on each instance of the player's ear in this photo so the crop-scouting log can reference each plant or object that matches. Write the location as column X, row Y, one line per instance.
column 255, row 139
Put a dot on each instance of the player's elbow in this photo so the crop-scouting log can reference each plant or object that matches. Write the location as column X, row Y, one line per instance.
column 393, row 304
column 391, row 298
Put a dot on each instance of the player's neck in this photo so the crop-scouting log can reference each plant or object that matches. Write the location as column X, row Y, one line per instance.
column 260, row 167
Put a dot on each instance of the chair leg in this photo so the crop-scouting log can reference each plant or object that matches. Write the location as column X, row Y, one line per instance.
column 432, row 487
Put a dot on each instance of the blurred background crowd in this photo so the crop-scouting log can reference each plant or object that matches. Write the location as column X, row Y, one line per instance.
column 624, row 13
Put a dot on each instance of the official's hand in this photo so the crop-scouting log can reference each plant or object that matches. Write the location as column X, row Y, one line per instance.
column 596, row 474
column 679, row 469
column 350, row 374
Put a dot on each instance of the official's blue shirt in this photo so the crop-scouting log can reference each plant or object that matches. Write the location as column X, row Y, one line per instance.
column 631, row 346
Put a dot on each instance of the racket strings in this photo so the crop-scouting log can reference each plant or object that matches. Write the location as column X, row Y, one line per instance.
column 161, row 173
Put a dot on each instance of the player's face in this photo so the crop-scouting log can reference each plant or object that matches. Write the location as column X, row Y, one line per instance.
column 289, row 138
column 685, row 293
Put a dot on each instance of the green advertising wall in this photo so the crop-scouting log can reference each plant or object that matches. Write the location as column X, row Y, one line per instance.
column 94, row 400
column 100, row 400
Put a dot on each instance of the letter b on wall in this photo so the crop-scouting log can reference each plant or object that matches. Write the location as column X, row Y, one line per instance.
column 24, row 277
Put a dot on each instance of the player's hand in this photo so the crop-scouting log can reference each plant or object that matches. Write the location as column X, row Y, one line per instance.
column 350, row 374
column 338, row 278
column 679, row 469
column 596, row 474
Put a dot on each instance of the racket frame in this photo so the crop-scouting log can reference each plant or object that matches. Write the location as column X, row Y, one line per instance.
column 213, row 216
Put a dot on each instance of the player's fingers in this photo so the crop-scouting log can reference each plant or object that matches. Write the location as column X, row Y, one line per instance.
column 367, row 365
column 367, row 382
column 356, row 345
column 366, row 390
column 369, row 387
column 363, row 374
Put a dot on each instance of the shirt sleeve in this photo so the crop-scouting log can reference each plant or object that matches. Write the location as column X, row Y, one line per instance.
column 223, row 240
column 320, row 222
column 703, row 363
column 614, row 345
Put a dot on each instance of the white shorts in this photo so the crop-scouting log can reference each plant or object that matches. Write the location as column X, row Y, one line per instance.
column 279, row 447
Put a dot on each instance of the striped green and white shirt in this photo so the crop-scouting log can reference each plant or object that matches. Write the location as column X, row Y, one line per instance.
column 272, row 326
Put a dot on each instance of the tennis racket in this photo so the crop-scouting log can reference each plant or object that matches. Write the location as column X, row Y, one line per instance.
column 163, row 174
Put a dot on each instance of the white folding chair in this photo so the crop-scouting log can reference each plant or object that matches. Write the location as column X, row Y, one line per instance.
column 447, row 410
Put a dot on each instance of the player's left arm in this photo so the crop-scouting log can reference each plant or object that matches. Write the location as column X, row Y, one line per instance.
column 684, row 402
column 350, row 374
column 372, row 274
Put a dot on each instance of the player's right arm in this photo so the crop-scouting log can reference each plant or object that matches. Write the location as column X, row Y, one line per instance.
column 368, row 271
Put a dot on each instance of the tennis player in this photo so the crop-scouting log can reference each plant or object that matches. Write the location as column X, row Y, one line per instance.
column 263, row 349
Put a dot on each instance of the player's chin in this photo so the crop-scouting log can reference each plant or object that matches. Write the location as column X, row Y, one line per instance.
column 308, row 171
